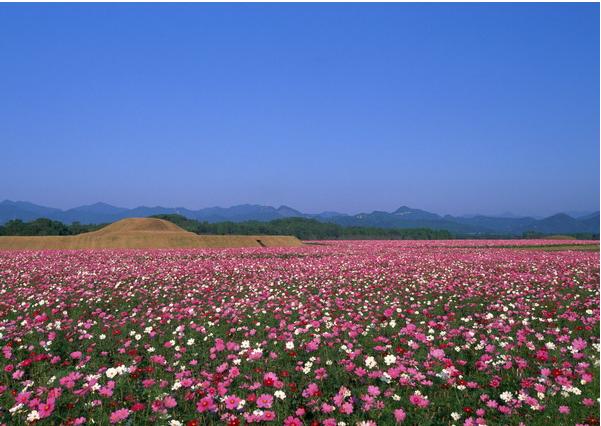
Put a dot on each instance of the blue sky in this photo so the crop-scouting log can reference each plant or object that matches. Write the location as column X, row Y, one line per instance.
column 350, row 107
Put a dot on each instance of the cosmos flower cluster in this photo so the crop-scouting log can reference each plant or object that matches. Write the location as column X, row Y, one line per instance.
column 345, row 333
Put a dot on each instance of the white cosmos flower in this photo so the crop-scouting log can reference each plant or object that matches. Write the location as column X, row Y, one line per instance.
column 33, row 416
column 389, row 359
column 111, row 372
column 370, row 362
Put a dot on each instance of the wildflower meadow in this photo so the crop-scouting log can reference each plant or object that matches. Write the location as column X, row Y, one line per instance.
column 341, row 333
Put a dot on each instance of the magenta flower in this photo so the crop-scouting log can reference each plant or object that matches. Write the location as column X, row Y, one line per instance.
column 399, row 415
column 346, row 408
column 292, row 421
column 264, row 401
column 169, row 402
column 579, row 344
column 268, row 416
column 206, row 404
column 437, row 353
column 418, row 400
column 45, row 409
column 119, row 415
column 232, row 402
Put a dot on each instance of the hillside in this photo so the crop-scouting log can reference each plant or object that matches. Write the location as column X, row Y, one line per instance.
column 143, row 233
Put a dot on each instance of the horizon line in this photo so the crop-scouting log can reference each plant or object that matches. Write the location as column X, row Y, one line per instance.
column 507, row 214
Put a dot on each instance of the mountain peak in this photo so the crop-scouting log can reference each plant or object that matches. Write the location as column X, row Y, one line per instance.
column 414, row 214
column 101, row 204
column 288, row 211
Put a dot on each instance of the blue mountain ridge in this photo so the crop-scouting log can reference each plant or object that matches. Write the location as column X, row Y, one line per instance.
column 403, row 217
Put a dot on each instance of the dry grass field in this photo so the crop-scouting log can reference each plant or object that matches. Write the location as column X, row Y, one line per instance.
column 144, row 233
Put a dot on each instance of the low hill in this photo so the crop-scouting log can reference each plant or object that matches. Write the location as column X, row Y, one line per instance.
column 144, row 233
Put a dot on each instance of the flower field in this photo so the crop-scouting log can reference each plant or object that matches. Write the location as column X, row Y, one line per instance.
column 347, row 333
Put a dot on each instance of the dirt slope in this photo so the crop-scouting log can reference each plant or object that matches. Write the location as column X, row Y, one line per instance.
column 145, row 233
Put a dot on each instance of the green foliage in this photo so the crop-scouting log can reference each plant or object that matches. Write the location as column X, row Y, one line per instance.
column 305, row 229
column 577, row 235
column 44, row 226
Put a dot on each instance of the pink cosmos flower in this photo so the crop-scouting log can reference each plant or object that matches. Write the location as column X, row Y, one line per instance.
column 399, row 415
column 147, row 383
column 169, row 402
column 187, row 382
column 105, row 391
column 271, row 379
column 292, row 421
column 418, row 400
column 321, row 374
column 23, row 397
column 437, row 353
column 346, row 408
column 206, row 404
column 504, row 409
column 326, row 408
column 564, row 409
column 119, row 415
column 45, row 409
column 268, row 416
column 158, row 406
column 158, row 359
column 360, row 371
column 219, row 345
column 373, row 391
column 232, row 402
column 265, row 401
column 579, row 344
column 311, row 390
column 312, row 346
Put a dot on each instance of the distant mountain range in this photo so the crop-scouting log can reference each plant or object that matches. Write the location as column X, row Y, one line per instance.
column 403, row 217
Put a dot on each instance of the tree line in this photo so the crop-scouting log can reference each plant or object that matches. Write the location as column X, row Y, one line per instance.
column 43, row 226
column 305, row 229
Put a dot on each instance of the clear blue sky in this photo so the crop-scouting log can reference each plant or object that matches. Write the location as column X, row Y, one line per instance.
column 349, row 107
